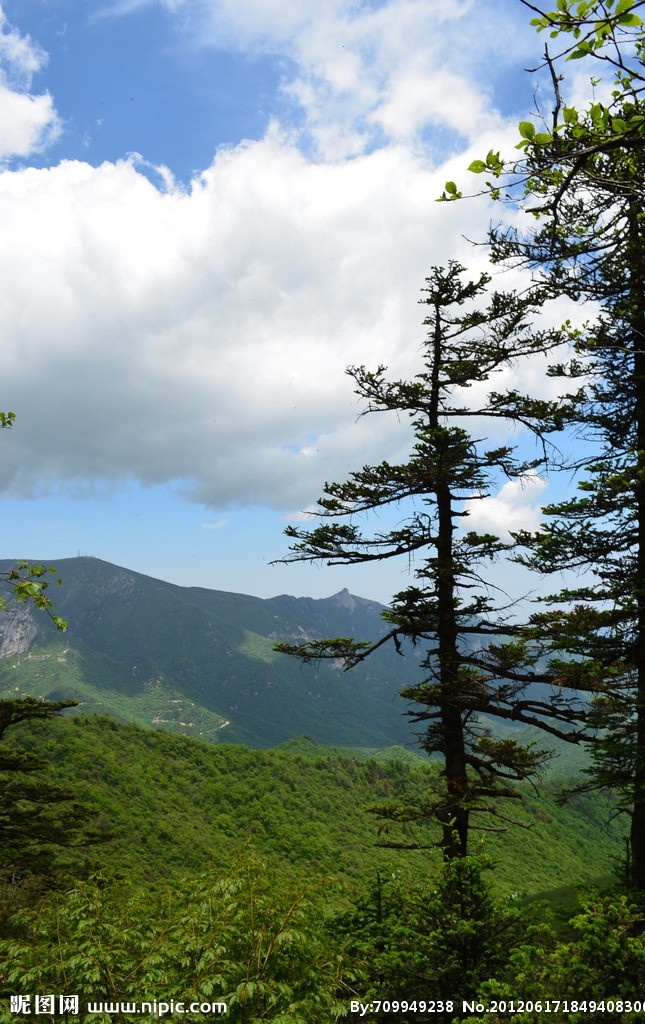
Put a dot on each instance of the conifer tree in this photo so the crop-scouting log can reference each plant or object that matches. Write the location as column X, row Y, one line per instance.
column 477, row 659
column 583, row 178
column 38, row 817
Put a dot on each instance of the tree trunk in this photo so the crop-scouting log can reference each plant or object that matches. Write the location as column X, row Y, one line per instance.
column 637, row 302
column 454, row 816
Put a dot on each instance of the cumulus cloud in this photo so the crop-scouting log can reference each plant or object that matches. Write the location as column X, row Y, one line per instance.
column 515, row 507
column 28, row 123
column 202, row 337
column 198, row 337
column 20, row 57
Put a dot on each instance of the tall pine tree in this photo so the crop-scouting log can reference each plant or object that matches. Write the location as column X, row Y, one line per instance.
column 38, row 817
column 477, row 660
column 583, row 178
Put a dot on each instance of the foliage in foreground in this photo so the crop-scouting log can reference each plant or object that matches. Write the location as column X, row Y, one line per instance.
column 308, row 953
column 236, row 937
column 454, row 943
column 38, row 818
column 589, row 968
column 421, row 936
column 28, row 583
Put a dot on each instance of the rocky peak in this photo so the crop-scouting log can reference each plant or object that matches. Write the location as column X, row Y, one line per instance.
column 345, row 600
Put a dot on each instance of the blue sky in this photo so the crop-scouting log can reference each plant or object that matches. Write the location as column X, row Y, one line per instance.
column 210, row 208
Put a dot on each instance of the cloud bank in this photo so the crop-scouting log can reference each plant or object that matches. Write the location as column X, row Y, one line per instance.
column 198, row 336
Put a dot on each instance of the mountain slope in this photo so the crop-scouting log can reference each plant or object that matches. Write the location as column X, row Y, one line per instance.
column 202, row 661
column 177, row 804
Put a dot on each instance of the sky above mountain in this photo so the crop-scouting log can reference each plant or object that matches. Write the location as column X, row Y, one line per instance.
column 209, row 209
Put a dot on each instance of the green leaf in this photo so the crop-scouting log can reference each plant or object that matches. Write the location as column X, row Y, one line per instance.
column 451, row 192
column 494, row 161
column 477, row 166
column 526, row 129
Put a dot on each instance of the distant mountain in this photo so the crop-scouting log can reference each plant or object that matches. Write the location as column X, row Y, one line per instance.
column 201, row 662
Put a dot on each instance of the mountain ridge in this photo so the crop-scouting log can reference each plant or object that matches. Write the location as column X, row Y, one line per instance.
column 210, row 652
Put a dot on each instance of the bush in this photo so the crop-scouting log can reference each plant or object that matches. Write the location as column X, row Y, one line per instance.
column 240, row 938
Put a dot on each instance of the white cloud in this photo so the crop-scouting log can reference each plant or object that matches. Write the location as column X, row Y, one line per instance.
column 420, row 95
column 365, row 72
column 515, row 507
column 20, row 57
column 28, row 123
column 200, row 337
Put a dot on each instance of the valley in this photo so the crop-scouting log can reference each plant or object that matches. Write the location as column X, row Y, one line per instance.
column 200, row 772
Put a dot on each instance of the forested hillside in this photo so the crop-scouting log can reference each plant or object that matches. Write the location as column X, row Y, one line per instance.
column 174, row 804
column 256, row 881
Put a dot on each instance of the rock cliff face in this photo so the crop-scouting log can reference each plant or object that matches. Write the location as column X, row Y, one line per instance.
column 18, row 630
